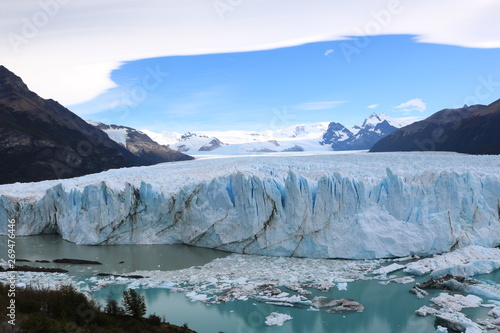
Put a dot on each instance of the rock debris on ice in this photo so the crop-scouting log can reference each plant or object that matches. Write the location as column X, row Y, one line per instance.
column 324, row 206
column 330, row 305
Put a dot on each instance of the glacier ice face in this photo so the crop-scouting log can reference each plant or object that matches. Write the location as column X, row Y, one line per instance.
column 325, row 206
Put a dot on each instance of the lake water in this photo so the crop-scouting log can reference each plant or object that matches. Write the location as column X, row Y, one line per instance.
column 388, row 308
column 134, row 257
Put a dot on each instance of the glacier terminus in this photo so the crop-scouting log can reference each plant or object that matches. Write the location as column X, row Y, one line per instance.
column 352, row 206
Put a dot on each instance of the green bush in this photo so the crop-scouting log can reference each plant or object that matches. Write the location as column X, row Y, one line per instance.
column 155, row 320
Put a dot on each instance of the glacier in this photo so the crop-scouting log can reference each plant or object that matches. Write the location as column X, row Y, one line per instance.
column 352, row 206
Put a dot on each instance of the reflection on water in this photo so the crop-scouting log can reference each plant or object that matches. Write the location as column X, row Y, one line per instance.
column 134, row 257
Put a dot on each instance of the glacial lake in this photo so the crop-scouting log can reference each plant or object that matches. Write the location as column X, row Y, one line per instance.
column 388, row 308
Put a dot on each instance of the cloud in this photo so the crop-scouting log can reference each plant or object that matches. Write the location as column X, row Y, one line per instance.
column 66, row 49
column 329, row 51
column 373, row 106
column 314, row 106
column 412, row 105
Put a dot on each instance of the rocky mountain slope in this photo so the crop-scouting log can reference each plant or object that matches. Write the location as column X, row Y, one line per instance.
column 470, row 129
column 41, row 139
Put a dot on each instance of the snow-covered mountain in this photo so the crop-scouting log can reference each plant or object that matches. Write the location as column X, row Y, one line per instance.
column 321, row 136
column 140, row 144
column 187, row 143
column 365, row 135
column 324, row 205
column 293, row 138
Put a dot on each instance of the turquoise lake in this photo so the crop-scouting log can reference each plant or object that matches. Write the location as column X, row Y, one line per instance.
column 388, row 308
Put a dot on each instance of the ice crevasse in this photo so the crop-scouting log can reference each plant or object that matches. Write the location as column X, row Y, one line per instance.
column 355, row 206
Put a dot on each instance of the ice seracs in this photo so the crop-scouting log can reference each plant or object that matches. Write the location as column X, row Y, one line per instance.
column 324, row 206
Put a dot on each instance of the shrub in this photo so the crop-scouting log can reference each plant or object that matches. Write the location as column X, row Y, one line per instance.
column 155, row 320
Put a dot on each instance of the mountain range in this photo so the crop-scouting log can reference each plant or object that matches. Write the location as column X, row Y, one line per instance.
column 322, row 136
column 40, row 139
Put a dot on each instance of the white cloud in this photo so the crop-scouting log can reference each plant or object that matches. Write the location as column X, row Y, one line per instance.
column 313, row 106
column 329, row 51
column 415, row 104
column 373, row 106
column 66, row 49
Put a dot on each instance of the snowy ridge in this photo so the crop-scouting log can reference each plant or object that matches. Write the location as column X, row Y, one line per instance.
column 375, row 119
column 301, row 137
column 327, row 206
column 306, row 136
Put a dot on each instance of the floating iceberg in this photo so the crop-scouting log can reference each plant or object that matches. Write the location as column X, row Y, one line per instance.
column 278, row 319
column 441, row 329
column 327, row 206
column 453, row 320
column 337, row 305
column 388, row 269
column 469, row 261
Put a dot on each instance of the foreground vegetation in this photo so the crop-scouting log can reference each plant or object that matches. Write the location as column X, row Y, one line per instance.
column 67, row 310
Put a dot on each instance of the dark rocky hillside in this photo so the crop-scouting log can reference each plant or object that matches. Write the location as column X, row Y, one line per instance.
column 41, row 139
column 471, row 130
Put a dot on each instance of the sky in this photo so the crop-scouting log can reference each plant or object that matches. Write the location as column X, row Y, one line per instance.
column 177, row 65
